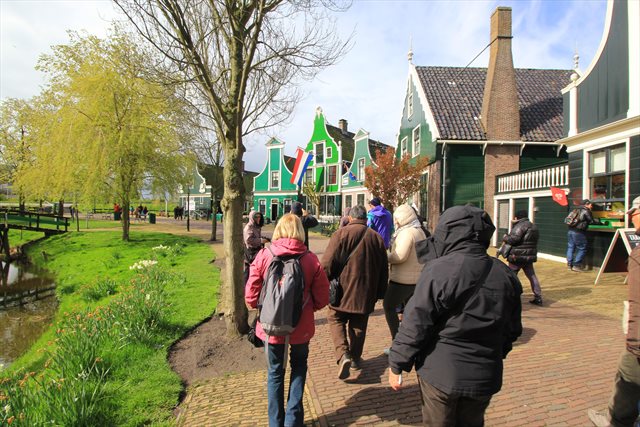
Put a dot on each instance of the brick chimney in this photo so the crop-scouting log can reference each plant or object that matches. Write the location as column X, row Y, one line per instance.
column 343, row 124
column 500, row 110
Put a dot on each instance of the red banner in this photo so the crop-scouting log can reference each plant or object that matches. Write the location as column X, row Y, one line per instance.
column 559, row 196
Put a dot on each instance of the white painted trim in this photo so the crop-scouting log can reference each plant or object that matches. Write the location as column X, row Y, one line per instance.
column 435, row 132
column 413, row 143
column 633, row 9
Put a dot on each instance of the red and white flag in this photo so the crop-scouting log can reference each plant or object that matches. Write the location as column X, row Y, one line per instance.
column 302, row 163
column 559, row 196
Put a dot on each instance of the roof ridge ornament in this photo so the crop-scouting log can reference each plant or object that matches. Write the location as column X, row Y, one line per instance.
column 410, row 53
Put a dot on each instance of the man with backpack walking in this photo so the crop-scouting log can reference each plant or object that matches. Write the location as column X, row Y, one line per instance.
column 357, row 256
column 578, row 222
column 288, row 283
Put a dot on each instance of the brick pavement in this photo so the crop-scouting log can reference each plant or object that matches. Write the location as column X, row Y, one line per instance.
column 562, row 365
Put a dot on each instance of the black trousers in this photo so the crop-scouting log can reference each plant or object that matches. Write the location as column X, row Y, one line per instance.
column 440, row 409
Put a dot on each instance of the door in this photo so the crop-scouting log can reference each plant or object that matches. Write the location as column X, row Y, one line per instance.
column 274, row 210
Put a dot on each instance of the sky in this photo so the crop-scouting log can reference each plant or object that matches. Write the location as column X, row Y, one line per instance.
column 367, row 87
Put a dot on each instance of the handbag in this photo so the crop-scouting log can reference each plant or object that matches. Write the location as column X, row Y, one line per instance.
column 335, row 288
column 504, row 250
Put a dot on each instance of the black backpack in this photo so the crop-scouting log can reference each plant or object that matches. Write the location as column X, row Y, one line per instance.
column 573, row 218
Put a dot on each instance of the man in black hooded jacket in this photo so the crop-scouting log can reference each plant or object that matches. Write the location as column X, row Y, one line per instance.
column 460, row 323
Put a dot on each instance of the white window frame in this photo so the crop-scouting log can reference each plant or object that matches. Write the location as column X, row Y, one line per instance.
column 262, row 206
column 276, row 175
column 415, row 143
column 362, row 163
column 308, row 176
column 348, row 201
column 410, row 100
column 329, row 153
column 403, row 146
column 358, row 197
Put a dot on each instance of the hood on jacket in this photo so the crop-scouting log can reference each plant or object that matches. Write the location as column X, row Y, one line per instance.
column 459, row 227
column 403, row 215
column 252, row 218
column 378, row 211
column 287, row 246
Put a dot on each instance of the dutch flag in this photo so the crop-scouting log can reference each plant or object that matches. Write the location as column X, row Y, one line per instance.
column 302, row 162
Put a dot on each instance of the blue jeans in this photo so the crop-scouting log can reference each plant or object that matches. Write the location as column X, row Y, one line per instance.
column 576, row 242
column 294, row 415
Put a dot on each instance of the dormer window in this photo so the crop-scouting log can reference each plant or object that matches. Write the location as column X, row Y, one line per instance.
column 361, row 166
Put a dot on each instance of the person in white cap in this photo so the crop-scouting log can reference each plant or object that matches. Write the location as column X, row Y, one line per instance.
column 623, row 405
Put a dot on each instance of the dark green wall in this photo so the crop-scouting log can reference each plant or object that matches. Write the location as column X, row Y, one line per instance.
column 553, row 232
column 575, row 177
column 465, row 175
column 603, row 97
column 521, row 205
column 535, row 156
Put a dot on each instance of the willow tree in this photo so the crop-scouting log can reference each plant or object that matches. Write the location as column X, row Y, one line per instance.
column 110, row 129
column 246, row 57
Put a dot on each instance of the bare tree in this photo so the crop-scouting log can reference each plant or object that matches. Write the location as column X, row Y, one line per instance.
column 247, row 58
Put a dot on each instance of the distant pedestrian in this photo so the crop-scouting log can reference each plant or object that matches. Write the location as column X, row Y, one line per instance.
column 404, row 268
column 460, row 322
column 253, row 240
column 287, row 240
column 523, row 239
column 363, row 278
column 308, row 220
column 344, row 220
column 577, row 237
column 379, row 219
column 623, row 405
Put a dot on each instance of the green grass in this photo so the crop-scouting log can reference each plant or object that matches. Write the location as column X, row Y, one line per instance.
column 20, row 237
column 92, row 272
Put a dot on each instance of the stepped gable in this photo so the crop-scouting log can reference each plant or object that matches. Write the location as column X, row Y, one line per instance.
column 455, row 98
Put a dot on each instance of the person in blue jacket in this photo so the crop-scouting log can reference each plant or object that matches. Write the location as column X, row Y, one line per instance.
column 380, row 220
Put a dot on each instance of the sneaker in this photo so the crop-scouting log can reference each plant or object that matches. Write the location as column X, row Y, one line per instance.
column 356, row 365
column 569, row 267
column 343, row 367
column 599, row 419
column 387, row 350
column 536, row 301
column 578, row 269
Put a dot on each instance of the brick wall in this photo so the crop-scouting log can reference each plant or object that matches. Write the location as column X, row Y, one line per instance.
column 498, row 159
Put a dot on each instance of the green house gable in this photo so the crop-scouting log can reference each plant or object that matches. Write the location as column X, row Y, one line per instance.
column 416, row 137
column 324, row 170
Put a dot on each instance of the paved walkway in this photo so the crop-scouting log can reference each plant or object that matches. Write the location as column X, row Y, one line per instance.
column 562, row 365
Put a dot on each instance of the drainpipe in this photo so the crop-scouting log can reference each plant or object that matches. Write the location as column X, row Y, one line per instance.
column 444, row 177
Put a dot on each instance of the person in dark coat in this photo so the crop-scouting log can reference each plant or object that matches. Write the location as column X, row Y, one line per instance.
column 308, row 220
column 364, row 281
column 577, row 237
column 460, row 323
column 523, row 240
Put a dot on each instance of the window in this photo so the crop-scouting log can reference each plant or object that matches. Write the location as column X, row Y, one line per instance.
column 332, row 175
column 416, row 141
column 607, row 175
column 287, row 205
column 262, row 206
column 308, row 176
column 348, row 200
column 360, row 199
column 275, row 179
column 403, row 147
column 319, row 147
column 329, row 153
column 361, row 166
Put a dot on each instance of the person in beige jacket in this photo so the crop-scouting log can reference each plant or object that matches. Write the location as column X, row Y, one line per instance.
column 404, row 268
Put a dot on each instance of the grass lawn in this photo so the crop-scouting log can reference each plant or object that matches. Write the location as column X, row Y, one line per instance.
column 147, row 309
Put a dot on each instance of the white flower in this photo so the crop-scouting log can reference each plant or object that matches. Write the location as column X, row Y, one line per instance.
column 141, row 265
column 160, row 248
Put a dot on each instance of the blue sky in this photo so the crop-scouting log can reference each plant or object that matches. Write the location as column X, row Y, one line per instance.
column 367, row 87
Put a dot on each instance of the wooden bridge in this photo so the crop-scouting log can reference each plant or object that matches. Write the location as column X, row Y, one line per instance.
column 32, row 221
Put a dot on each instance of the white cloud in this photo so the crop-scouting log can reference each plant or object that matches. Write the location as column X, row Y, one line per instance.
column 367, row 87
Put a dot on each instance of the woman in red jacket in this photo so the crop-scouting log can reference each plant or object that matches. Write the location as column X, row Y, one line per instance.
column 288, row 239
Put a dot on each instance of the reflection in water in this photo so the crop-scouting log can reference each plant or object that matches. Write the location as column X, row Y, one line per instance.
column 27, row 307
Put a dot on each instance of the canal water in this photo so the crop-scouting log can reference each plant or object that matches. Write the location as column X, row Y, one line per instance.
column 27, row 307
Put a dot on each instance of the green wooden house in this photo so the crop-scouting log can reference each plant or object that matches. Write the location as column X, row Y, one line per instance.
column 476, row 123
column 273, row 192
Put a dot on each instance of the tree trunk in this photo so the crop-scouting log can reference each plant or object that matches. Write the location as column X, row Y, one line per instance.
column 235, row 310
column 125, row 220
column 214, row 212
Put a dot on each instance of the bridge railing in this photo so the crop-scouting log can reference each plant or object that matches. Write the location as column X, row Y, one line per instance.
column 35, row 221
